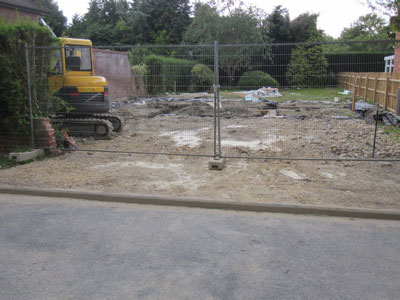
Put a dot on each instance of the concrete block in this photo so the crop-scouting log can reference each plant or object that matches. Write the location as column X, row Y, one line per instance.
column 23, row 156
column 216, row 164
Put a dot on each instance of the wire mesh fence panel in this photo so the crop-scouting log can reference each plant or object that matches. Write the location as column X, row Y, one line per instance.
column 127, row 99
column 276, row 100
column 286, row 101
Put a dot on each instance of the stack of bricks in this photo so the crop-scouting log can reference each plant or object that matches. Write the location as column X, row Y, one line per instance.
column 44, row 134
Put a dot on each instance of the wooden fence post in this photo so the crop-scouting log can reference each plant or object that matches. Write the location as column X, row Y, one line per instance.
column 386, row 93
column 366, row 89
column 353, row 105
column 375, row 88
column 398, row 102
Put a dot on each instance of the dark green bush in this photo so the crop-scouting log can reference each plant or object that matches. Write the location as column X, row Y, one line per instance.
column 167, row 74
column 256, row 80
column 202, row 78
column 14, row 108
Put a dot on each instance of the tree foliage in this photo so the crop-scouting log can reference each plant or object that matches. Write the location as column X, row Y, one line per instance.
column 280, row 29
column 388, row 7
column 308, row 64
column 238, row 27
column 55, row 19
column 116, row 22
column 367, row 27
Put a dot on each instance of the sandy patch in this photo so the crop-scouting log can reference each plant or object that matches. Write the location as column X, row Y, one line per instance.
column 293, row 175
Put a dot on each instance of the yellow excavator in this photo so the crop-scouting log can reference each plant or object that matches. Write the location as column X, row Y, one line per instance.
column 85, row 94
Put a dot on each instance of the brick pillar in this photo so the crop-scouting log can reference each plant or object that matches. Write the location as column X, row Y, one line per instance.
column 396, row 67
column 44, row 133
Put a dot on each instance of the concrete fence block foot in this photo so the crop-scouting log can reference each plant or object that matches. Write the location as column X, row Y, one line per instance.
column 217, row 164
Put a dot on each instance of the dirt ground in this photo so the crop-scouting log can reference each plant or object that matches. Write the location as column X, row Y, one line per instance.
column 297, row 129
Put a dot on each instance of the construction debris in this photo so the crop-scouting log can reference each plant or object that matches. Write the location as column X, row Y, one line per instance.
column 345, row 92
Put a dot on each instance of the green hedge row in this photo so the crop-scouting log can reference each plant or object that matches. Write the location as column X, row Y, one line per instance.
column 14, row 108
column 167, row 74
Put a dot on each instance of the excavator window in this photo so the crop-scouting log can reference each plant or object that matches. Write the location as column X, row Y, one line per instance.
column 77, row 58
column 56, row 63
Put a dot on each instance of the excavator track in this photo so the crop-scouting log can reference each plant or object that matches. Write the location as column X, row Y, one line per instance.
column 97, row 128
column 116, row 121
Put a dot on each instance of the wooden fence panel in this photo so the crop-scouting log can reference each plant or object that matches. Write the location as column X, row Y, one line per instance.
column 375, row 87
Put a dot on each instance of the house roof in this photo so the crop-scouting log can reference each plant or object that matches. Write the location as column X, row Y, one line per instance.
column 24, row 5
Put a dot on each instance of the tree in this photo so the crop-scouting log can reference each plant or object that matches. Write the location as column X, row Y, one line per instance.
column 280, row 29
column 116, row 22
column 368, row 27
column 390, row 8
column 303, row 27
column 55, row 19
column 308, row 64
column 104, row 23
column 239, row 27
column 165, row 20
column 277, row 25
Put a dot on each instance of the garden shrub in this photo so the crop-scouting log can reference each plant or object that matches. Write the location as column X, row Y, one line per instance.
column 202, row 78
column 256, row 80
column 139, row 75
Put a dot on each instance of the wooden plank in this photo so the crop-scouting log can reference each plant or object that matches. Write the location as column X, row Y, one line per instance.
column 366, row 89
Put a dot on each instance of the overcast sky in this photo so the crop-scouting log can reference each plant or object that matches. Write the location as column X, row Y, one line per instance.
column 333, row 15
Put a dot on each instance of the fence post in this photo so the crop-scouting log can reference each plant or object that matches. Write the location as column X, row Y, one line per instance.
column 217, row 129
column 375, row 88
column 28, row 77
column 353, row 105
column 376, row 130
column 366, row 89
column 386, row 93
column 398, row 102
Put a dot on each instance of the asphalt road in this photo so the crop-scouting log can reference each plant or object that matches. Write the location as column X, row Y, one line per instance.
column 71, row 249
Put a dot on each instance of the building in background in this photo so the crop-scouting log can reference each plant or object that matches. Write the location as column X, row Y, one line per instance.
column 13, row 10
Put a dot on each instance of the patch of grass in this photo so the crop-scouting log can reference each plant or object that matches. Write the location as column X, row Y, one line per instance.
column 25, row 148
column 6, row 163
column 314, row 94
column 230, row 95
column 393, row 132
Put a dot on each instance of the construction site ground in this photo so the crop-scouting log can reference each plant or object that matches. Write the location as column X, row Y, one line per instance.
column 184, row 125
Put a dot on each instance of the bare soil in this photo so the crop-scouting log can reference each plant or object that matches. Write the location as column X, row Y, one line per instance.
column 297, row 129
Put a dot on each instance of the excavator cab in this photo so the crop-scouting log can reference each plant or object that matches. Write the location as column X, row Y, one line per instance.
column 76, row 83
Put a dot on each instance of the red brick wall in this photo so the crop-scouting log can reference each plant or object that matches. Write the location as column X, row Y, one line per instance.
column 396, row 67
column 10, row 15
column 115, row 67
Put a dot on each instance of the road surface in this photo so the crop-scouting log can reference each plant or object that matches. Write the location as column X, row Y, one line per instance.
column 71, row 249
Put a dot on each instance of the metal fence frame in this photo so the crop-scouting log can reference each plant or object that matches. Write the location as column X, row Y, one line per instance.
column 217, row 137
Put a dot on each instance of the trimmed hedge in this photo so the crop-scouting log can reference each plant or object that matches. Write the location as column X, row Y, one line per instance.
column 168, row 74
column 256, row 80
column 14, row 108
